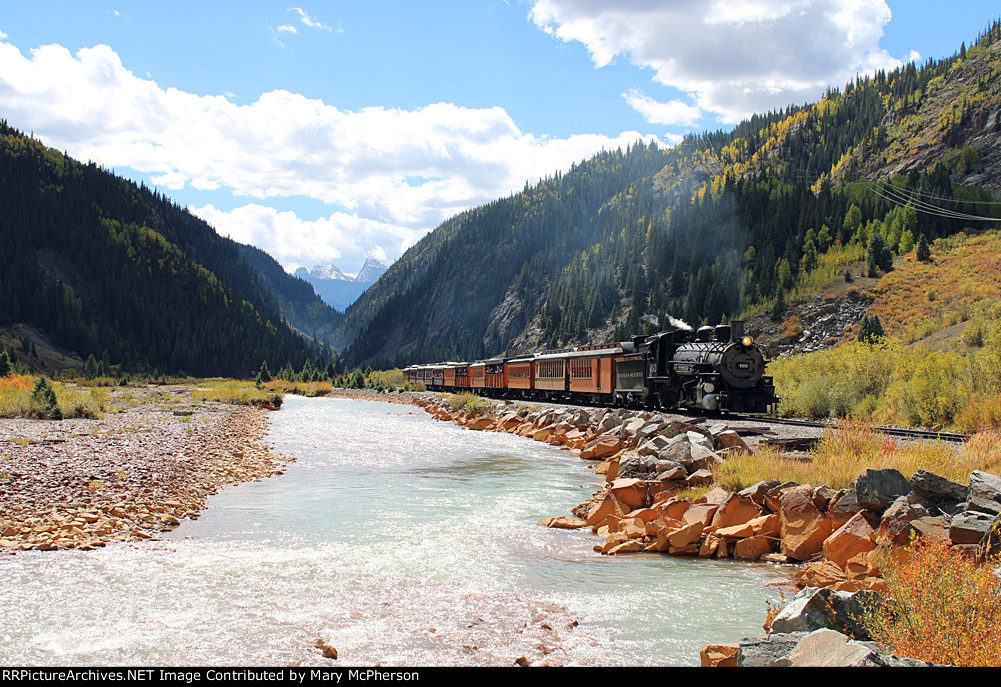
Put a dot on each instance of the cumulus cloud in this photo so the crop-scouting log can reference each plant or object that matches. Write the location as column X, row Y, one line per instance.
column 655, row 112
column 393, row 174
column 735, row 57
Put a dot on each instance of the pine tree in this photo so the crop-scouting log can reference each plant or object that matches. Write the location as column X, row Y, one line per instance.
column 871, row 330
column 45, row 397
column 780, row 305
column 880, row 257
column 923, row 251
column 90, row 367
column 264, row 375
column 6, row 369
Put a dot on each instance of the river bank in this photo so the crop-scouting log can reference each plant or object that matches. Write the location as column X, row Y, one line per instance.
column 83, row 483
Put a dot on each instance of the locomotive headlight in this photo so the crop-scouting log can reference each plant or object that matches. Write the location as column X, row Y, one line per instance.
column 747, row 341
column 708, row 387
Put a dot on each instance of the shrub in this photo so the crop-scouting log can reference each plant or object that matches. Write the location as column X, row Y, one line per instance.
column 44, row 402
column 467, row 402
column 941, row 607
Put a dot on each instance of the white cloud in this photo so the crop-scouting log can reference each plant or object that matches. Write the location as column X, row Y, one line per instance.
column 673, row 112
column 735, row 57
column 308, row 20
column 398, row 173
column 287, row 28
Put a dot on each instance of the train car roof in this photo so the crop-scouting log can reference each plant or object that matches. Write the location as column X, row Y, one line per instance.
column 594, row 353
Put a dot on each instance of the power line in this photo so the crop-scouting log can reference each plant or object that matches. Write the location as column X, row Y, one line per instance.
column 898, row 197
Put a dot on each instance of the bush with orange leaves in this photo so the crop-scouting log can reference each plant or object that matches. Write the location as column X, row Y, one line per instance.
column 941, row 606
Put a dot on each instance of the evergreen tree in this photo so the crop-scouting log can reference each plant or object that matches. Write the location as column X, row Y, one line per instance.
column 880, row 256
column 923, row 251
column 871, row 330
column 780, row 305
column 263, row 375
column 45, row 397
column 6, row 369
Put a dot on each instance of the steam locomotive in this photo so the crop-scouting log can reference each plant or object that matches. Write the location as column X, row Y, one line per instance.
column 713, row 369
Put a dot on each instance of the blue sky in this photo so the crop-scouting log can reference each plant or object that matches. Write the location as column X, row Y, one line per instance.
column 335, row 131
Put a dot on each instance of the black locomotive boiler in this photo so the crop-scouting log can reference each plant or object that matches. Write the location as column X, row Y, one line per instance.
column 715, row 368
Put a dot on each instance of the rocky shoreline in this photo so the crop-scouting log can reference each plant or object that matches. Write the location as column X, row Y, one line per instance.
column 85, row 483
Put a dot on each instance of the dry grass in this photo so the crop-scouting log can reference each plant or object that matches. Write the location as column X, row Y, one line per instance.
column 467, row 402
column 311, row 389
column 18, row 400
column 235, row 392
column 850, row 449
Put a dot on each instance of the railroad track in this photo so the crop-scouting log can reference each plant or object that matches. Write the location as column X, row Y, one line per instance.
column 892, row 431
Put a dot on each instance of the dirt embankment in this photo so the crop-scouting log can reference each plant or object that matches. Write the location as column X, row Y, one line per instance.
column 83, row 483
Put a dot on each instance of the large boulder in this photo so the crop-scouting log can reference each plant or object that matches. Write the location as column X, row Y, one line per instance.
column 985, row 493
column 877, row 489
column 830, row 649
column 678, row 449
column 731, row 440
column 752, row 548
column 703, row 458
column 631, row 493
column 816, row 608
column 601, row 447
column 851, row 539
column 895, row 524
column 762, row 653
column 842, row 507
column 970, row 527
column 804, row 527
column 736, row 510
column 719, row 656
column 758, row 492
column 928, row 486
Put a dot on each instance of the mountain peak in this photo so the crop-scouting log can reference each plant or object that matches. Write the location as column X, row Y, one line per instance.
column 371, row 271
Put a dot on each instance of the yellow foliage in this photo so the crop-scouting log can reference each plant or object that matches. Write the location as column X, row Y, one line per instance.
column 942, row 607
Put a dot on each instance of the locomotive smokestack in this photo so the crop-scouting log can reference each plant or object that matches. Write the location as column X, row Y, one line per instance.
column 736, row 330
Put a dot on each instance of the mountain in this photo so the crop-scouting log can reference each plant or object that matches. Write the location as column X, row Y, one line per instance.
column 338, row 289
column 728, row 223
column 97, row 264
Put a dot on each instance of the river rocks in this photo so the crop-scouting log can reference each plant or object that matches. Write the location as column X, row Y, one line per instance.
column 804, row 526
column 820, row 648
column 938, row 490
column 814, row 608
column 853, row 538
column 985, row 493
column 720, row 656
column 970, row 527
column 128, row 475
column 875, row 490
column 563, row 522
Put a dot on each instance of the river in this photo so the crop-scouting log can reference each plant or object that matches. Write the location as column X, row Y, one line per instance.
column 395, row 538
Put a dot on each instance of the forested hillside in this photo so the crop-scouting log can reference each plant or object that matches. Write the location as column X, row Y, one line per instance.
column 103, row 266
column 725, row 224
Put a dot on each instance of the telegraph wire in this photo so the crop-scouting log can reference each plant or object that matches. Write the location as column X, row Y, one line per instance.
column 901, row 198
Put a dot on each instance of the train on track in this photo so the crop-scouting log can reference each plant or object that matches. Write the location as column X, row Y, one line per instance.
column 712, row 369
